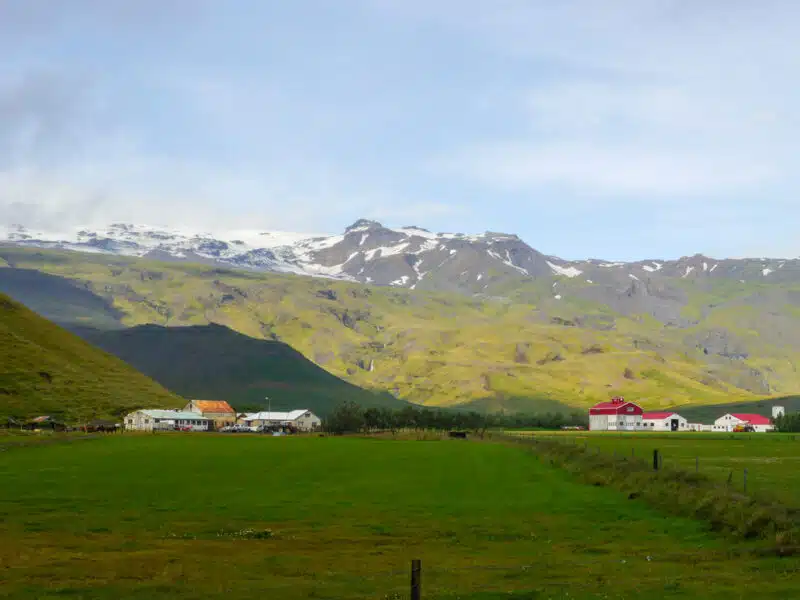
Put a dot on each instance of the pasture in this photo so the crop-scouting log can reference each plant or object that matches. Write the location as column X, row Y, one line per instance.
column 210, row 516
column 772, row 460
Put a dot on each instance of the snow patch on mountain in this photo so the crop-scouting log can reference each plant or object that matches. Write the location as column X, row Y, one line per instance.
column 565, row 271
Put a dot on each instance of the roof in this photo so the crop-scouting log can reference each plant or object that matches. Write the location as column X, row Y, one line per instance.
column 752, row 419
column 276, row 416
column 172, row 414
column 615, row 406
column 655, row 416
column 213, row 406
column 41, row 419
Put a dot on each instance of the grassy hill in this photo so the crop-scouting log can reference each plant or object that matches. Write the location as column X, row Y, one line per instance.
column 519, row 348
column 215, row 362
column 46, row 370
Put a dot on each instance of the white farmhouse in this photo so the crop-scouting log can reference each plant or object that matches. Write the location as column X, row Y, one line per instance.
column 165, row 420
column 301, row 420
column 664, row 421
column 730, row 421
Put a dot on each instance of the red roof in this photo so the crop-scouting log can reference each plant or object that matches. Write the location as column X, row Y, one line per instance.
column 752, row 419
column 615, row 407
column 213, row 406
column 655, row 416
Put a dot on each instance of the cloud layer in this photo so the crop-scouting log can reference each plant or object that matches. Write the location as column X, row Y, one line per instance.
column 667, row 125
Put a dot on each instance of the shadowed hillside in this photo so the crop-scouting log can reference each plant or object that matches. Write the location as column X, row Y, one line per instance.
column 46, row 370
column 61, row 300
column 215, row 362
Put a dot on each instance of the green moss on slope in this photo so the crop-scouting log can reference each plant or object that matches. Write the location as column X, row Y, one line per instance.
column 46, row 370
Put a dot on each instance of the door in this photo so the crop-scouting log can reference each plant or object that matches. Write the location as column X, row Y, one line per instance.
column 673, row 425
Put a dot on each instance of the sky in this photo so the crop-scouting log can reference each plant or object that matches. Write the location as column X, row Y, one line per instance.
column 617, row 129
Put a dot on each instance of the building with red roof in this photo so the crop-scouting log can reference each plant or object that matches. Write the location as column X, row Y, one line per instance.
column 730, row 421
column 664, row 421
column 220, row 412
column 616, row 415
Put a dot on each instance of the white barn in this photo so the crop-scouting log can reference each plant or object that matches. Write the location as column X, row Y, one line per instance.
column 165, row 420
column 616, row 415
column 664, row 421
column 301, row 420
column 730, row 421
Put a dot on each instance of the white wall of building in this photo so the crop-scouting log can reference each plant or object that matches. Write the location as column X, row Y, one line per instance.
column 665, row 424
column 728, row 422
column 164, row 420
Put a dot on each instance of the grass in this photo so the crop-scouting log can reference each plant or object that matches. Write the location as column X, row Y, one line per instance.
column 46, row 370
column 772, row 460
column 444, row 349
column 342, row 518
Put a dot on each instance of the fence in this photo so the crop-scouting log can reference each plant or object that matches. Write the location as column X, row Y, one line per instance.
column 737, row 479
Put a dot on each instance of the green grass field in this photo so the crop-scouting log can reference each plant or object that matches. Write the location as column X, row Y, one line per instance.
column 141, row 516
column 772, row 460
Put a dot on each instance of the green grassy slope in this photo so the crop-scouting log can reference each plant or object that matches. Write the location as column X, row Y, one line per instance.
column 46, row 370
column 215, row 362
column 444, row 350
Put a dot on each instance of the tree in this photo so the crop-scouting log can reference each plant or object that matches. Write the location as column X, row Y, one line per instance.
column 347, row 417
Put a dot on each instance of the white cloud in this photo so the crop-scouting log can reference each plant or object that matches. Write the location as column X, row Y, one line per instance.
column 653, row 99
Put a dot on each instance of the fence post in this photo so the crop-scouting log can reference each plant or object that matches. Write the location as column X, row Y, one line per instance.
column 416, row 579
column 655, row 460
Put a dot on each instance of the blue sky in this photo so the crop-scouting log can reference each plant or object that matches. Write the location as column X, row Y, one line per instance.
column 621, row 129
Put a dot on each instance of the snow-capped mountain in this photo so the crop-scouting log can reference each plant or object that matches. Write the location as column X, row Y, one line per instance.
column 409, row 257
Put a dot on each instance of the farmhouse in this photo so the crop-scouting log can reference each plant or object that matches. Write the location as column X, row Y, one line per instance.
column 616, row 415
column 301, row 420
column 218, row 411
column 730, row 421
column 664, row 421
column 165, row 420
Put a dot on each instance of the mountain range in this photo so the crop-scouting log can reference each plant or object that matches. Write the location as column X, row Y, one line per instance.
column 438, row 318
column 409, row 257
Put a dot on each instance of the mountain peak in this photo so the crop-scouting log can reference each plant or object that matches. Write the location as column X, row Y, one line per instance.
column 363, row 225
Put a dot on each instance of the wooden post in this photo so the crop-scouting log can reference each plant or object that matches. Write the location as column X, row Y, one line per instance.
column 416, row 577
column 745, row 481
column 656, row 462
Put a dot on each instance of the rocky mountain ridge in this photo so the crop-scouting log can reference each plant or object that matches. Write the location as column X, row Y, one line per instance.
column 408, row 257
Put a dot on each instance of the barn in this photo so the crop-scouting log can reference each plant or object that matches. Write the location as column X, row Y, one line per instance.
column 616, row 415
column 729, row 422
column 664, row 421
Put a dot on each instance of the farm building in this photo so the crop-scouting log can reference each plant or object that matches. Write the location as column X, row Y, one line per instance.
column 730, row 421
column 218, row 411
column 165, row 420
column 664, row 421
column 616, row 415
column 301, row 420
